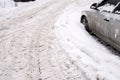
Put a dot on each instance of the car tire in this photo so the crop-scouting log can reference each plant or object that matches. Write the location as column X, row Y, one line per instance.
column 84, row 21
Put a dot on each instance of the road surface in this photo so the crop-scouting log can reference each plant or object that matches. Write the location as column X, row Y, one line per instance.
column 30, row 48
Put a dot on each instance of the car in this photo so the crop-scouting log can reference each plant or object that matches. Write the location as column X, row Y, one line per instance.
column 103, row 20
column 22, row 0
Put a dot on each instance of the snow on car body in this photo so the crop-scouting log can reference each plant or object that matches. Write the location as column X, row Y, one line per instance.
column 104, row 20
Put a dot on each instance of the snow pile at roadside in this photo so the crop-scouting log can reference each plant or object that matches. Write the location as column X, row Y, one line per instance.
column 10, row 15
column 11, row 3
column 6, row 3
column 23, row 8
column 92, row 58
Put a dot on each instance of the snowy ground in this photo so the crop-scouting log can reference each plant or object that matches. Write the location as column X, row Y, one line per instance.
column 94, row 60
column 45, row 41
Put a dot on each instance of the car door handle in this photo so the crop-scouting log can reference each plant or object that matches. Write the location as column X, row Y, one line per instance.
column 106, row 19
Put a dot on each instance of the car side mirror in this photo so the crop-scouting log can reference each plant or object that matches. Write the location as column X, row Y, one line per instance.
column 94, row 6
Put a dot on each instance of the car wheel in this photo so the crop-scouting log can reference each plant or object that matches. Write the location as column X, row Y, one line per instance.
column 84, row 21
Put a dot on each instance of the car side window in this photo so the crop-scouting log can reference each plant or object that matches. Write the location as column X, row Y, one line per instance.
column 117, row 8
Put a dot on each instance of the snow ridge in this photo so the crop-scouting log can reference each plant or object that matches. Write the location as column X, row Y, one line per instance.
column 83, row 49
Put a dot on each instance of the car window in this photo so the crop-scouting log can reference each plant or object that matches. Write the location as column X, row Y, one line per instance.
column 117, row 8
column 111, row 2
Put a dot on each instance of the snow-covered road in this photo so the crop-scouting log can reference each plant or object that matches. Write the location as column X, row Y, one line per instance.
column 46, row 42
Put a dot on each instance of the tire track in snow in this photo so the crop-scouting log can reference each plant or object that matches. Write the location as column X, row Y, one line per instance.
column 22, row 25
column 31, row 60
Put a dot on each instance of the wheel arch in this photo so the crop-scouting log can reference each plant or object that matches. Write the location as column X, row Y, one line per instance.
column 83, row 16
column 87, row 27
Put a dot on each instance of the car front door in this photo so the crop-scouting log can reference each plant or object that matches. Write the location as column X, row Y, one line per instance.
column 102, row 24
column 114, row 29
column 103, row 20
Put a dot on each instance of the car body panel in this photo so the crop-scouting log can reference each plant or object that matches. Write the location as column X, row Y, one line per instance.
column 114, row 30
column 90, row 15
column 102, row 24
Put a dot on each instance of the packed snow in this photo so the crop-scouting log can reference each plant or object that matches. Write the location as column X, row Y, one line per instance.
column 44, row 40
column 95, row 60
column 6, row 3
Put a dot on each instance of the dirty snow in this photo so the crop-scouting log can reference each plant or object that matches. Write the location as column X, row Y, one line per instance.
column 44, row 40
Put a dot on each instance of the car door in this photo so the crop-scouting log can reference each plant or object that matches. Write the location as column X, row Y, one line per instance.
column 102, row 24
column 103, row 19
column 114, row 29
column 99, row 23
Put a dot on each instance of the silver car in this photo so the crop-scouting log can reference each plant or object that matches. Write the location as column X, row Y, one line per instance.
column 103, row 19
